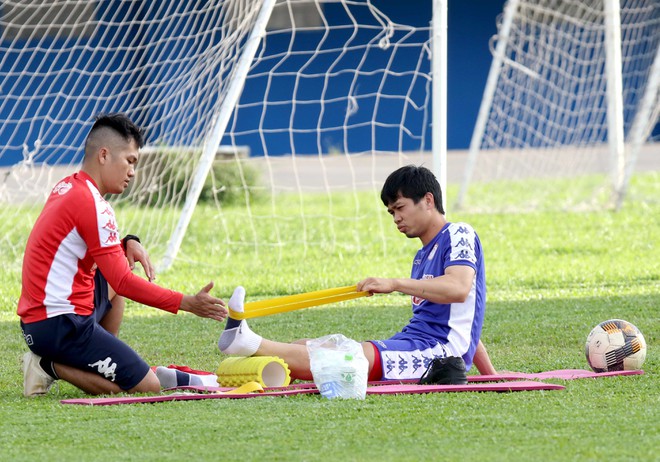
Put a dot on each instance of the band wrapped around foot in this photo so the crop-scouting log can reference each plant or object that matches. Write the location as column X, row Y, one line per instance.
column 237, row 338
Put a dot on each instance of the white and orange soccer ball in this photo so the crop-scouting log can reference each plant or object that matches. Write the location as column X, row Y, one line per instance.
column 615, row 345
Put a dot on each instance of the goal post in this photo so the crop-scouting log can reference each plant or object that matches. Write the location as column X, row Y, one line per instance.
column 643, row 123
column 439, row 62
column 570, row 96
column 614, row 87
column 218, row 127
column 261, row 116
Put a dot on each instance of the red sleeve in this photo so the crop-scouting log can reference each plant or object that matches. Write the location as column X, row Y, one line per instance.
column 115, row 269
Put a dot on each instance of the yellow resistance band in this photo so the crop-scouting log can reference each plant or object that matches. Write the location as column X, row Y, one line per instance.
column 297, row 302
column 249, row 387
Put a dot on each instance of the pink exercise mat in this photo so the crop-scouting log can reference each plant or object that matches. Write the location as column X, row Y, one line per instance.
column 197, row 393
column 562, row 374
column 517, row 385
column 508, row 382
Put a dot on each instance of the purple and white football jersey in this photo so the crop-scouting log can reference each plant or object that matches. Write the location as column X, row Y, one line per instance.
column 435, row 329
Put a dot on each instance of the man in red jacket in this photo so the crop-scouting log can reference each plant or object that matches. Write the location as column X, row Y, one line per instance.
column 75, row 234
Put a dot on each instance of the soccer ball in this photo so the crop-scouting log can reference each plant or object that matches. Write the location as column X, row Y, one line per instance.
column 615, row 345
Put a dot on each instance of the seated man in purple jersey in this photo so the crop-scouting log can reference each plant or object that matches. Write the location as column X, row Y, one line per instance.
column 447, row 287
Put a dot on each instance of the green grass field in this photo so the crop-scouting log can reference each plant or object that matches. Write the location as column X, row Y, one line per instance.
column 552, row 276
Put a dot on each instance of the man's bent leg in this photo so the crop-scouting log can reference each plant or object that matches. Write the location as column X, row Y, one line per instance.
column 88, row 356
column 94, row 384
column 482, row 361
column 294, row 355
column 113, row 318
column 297, row 358
column 108, row 306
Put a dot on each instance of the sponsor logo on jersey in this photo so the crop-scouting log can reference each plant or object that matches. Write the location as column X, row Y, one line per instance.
column 111, row 226
column 463, row 255
column 113, row 238
column 112, row 229
column 462, row 230
column 107, row 211
column 464, row 243
column 62, row 188
column 105, row 218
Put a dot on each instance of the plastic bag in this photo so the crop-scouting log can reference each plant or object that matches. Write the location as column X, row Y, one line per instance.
column 339, row 367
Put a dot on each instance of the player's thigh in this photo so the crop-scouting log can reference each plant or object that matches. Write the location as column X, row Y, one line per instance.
column 80, row 342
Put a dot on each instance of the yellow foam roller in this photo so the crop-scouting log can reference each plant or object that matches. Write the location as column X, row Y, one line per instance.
column 269, row 371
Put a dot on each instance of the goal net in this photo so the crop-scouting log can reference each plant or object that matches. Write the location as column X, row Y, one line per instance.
column 568, row 107
column 265, row 120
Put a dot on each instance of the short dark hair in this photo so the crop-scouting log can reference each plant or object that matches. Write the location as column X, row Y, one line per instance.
column 412, row 182
column 121, row 124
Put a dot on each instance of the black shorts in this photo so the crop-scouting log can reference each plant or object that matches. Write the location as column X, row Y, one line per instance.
column 80, row 342
column 102, row 303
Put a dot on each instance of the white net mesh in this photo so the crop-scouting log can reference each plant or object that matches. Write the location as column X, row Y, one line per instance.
column 548, row 114
column 336, row 97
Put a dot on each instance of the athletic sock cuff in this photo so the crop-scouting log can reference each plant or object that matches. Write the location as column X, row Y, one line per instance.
column 48, row 367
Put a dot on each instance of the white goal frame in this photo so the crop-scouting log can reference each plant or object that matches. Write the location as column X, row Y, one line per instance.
column 67, row 43
column 439, row 143
column 623, row 151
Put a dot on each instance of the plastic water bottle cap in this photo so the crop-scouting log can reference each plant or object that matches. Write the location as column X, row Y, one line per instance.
column 348, row 357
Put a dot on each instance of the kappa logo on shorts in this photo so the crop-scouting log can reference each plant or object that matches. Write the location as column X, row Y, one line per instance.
column 389, row 364
column 28, row 339
column 416, row 363
column 106, row 368
column 426, row 361
column 406, row 364
column 403, row 364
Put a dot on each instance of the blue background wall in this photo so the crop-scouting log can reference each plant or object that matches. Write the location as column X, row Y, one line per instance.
column 472, row 23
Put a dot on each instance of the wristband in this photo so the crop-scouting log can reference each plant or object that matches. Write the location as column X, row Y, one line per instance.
column 129, row 237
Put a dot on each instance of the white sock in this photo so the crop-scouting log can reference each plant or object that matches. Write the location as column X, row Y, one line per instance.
column 237, row 338
column 239, row 341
